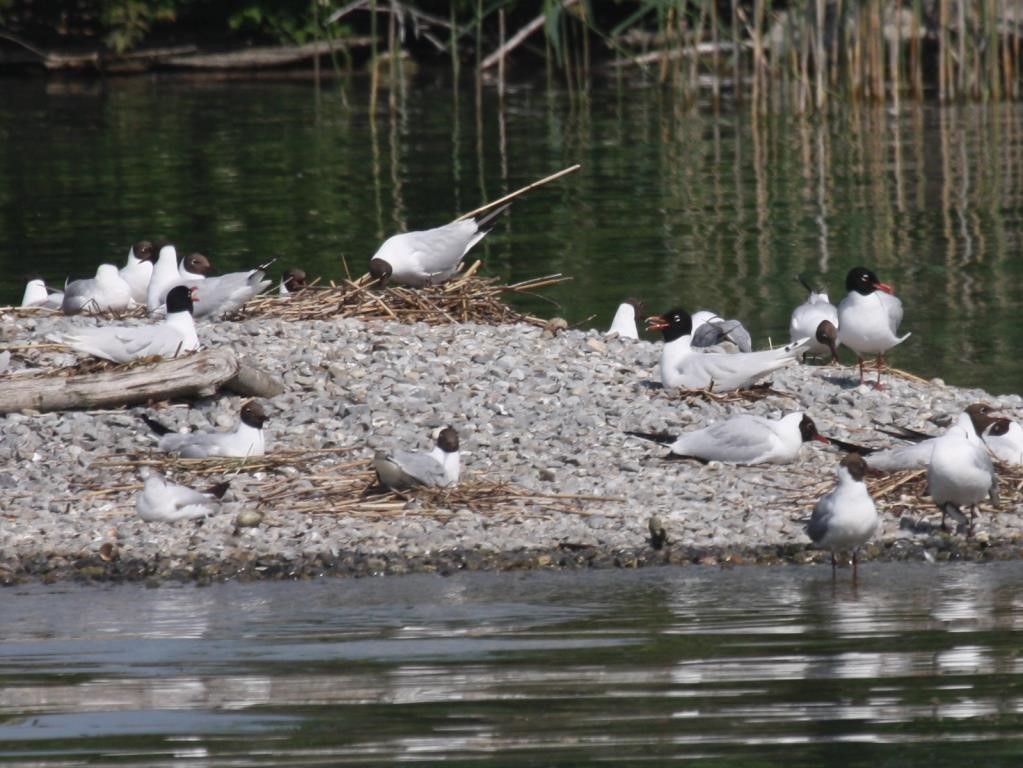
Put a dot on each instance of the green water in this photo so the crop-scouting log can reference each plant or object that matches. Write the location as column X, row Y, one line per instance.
column 916, row 666
column 675, row 206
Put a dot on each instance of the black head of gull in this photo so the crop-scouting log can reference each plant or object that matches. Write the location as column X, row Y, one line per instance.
column 380, row 270
column 294, row 279
column 253, row 415
column 808, row 430
column 855, row 465
column 447, row 440
column 865, row 282
column 180, row 298
column 143, row 251
column 980, row 416
column 673, row 324
column 197, row 264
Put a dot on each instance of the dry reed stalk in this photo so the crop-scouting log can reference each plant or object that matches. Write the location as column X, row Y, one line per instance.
column 465, row 298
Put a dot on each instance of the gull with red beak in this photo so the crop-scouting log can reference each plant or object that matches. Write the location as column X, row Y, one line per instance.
column 868, row 318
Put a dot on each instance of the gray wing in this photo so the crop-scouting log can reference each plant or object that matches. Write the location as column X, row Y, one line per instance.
column 817, row 528
column 716, row 332
column 191, row 445
column 226, row 293
column 739, row 439
column 420, row 466
column 893, row 305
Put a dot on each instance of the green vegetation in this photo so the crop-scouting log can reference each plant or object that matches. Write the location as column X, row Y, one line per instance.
column 800, row 54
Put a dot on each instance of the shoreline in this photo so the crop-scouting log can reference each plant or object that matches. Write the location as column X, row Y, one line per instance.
column 543, row 415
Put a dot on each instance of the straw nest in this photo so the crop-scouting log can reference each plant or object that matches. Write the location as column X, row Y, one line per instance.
column 465, row 298
column 329, row 481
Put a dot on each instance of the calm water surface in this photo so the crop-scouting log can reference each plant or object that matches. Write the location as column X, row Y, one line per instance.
column 918, row 665
column 673, row 205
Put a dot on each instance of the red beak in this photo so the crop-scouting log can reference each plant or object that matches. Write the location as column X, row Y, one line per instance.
column 822, row 439
column 656, row 323
column 884, row 287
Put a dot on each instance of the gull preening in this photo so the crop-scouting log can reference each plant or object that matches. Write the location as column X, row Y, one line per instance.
column 743, row 439
column 292, row 280
column 430, row 256
column 817, row 318
column 869, row 317
column 106, row 292
column 691, row 368
column 845, row 517
column 244, row 440
column 161, row 501
column 401, row 470
column 624, row 321
column 38, row 294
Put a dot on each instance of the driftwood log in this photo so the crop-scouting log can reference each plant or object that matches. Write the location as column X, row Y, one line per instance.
column 196, row 375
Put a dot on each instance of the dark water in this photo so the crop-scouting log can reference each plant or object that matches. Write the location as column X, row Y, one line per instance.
column 674, row 205
column 917, row 666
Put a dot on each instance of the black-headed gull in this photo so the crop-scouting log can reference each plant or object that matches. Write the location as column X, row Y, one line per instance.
column 106, row 292
column 916, row 453
column 743, row 439
column 960, row 474
column 215, row 296
column 173, row 336
column 292, row 280
column 400, row 470
column 684, row 366
column 1004, row 438
column 161, row 501
column 430, row 256
column 869, row 317
column 138, row 270
column 38, row 294
column 845, row 517
column 817, row 318
column 244, row 440
column 624, row 321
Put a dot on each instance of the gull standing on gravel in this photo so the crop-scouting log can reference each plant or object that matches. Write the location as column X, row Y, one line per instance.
column 400, row 470
column 869, row 317
column 161, row 501
column 624, row 322
column 684, row 366
column 916, row 454
column 107, row 291
column 817, row 318
column 38, row 294
column 244, row 441
column 845, row 517
column 173, row 336
column 138, row 270
column 742, row 439
column 430, row 256
column 959, row 474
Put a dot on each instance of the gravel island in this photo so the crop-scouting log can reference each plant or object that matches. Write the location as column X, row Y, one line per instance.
column 550, row 479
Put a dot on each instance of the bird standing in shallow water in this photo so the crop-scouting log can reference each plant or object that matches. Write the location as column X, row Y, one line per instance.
column 845, row 517
column 868, row 318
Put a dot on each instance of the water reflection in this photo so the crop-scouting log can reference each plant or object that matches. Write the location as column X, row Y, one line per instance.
column 779, row 662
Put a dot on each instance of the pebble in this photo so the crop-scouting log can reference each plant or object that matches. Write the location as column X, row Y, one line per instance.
column 544, row 410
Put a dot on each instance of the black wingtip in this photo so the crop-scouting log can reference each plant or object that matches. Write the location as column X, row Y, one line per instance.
column 862, row 450
column 657, row 437
column 802, row 279
column 156, row 426
column 904, row 433
column 219, row 489
column 487, row 221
